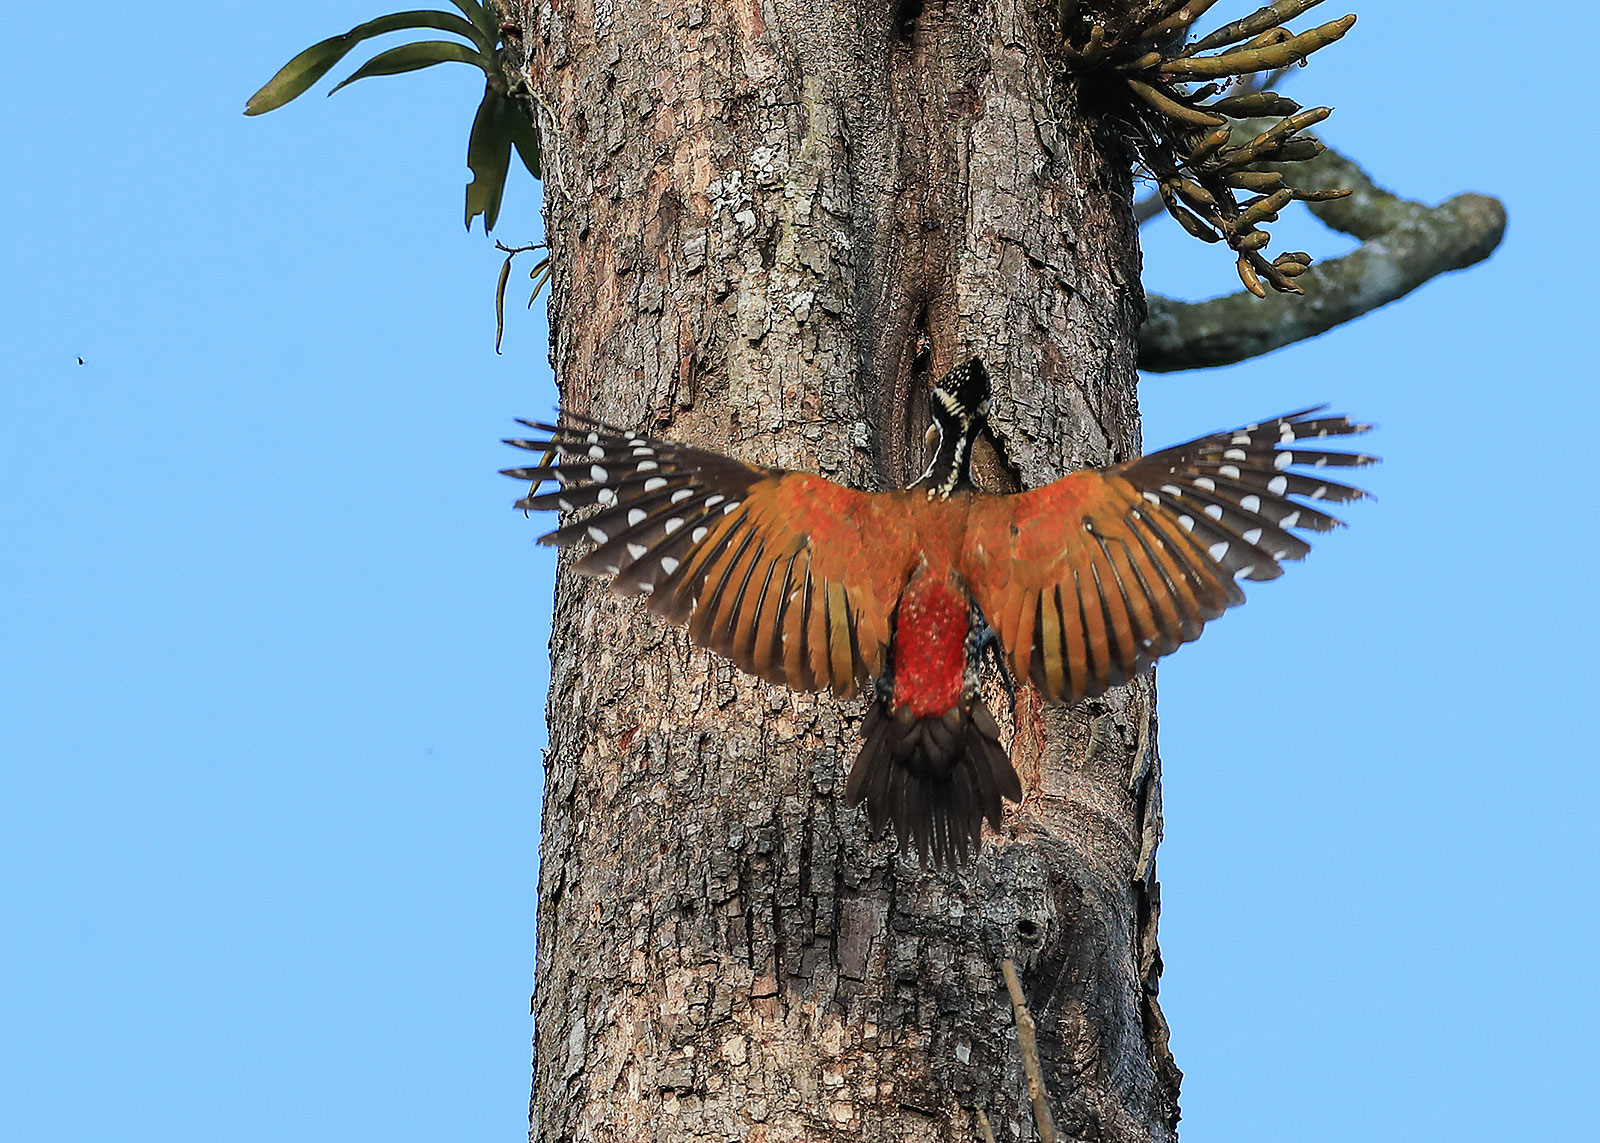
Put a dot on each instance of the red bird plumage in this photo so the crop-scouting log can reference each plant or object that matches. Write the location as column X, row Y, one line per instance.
column 1082, row 583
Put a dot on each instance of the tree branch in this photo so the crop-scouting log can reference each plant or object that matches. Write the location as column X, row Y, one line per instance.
column 1404, row 244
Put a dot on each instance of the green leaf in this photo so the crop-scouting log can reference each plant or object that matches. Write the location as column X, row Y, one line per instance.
column 489, row 157
column 479, row 15
column 296, row 76
column 500, row 303
column 525, row 134
column 412, row 57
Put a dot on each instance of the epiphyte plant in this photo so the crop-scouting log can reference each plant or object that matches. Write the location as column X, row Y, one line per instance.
column 505, row 120
column 1178, row 103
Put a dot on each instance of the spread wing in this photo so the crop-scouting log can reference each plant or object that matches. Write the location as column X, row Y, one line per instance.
column 1093, row 577
column 763, row 565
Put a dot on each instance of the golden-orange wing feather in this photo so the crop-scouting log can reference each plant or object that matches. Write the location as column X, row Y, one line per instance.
column 791, row 576
column 1093, row 577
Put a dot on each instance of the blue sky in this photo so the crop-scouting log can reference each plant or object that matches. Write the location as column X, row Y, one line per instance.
column 273, row 691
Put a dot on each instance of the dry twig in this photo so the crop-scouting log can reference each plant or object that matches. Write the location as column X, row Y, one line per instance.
column 983, row 1125
column 1028, row 1040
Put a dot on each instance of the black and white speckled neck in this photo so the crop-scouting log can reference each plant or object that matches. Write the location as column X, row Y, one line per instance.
column 959, row 404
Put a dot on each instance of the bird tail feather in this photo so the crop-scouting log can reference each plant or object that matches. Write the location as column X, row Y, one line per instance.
column 934, row 779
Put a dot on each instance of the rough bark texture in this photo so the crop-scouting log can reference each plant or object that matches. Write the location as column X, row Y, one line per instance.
column 752, row 207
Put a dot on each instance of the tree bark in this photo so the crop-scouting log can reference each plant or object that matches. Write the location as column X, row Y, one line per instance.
column 753, row 207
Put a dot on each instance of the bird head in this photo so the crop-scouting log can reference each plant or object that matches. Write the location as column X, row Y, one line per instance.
column 960, row 404
column 961, row 399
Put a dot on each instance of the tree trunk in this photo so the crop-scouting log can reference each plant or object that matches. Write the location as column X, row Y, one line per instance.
column 754, row 206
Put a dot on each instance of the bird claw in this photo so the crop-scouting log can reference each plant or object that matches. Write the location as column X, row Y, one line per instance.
column 988, row 644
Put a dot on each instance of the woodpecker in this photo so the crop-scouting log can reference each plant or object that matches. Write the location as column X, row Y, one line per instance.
column 1076, row 586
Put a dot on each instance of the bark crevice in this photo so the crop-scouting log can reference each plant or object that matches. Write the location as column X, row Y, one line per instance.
column 759, row 206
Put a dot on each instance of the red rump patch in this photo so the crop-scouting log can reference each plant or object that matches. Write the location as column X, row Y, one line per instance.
column 930, row 649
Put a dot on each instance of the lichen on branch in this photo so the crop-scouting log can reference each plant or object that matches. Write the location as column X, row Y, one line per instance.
column 1404, row 244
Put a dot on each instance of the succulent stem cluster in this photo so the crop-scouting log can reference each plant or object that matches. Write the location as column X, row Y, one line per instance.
column 1176, row 100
